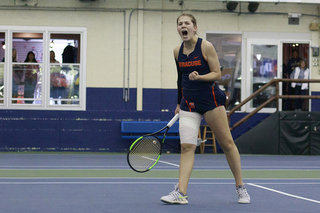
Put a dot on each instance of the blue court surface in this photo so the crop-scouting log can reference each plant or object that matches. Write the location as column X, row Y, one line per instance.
column 103, row 182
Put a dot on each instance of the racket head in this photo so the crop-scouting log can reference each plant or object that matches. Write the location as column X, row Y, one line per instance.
column 144, row 153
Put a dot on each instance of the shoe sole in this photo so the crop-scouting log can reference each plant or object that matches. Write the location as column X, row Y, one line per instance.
column 175, row 202
column 244, row 202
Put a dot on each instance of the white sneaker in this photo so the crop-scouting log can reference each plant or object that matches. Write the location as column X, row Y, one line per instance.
column 175, row 197
column 243, row 196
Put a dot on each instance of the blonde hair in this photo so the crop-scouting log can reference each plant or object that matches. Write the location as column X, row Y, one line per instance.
column 193, row 19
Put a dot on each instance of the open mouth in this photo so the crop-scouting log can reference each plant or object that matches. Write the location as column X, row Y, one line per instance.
column 184, row 32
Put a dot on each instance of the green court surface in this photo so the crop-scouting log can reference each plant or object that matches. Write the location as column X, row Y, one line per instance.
column 125, row 173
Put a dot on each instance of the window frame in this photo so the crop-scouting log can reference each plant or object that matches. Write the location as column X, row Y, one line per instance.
column 45, row 101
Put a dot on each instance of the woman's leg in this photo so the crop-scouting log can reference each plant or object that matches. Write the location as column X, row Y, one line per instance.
column 186, row 165
column 218, row 123
column 300, row 101
column 297, row 90
column 188, row 128
column 189, row 123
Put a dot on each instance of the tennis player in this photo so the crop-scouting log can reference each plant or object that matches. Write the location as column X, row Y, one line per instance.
column 198, row 95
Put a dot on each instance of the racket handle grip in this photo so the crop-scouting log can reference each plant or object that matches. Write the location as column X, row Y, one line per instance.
column 173, row 120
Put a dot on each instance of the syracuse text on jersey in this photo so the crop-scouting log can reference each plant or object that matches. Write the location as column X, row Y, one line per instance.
column 190, row 63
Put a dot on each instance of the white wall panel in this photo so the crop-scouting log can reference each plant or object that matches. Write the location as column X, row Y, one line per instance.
column 105, row 31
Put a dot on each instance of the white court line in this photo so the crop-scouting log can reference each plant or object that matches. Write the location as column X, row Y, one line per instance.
column 287, row 194
column 144, row 182
column 61, row 166
column 73, row 183
column 172, row 164
column 93, row 183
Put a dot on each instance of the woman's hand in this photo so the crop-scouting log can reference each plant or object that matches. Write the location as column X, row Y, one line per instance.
column 194, row 76
column 177, row 109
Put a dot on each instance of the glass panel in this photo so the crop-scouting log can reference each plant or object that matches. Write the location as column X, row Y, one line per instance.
column 228, row 47
column 26, row 42
column 2, row 53
column 27, row 67
column 64, row 77
column 1, row 82
column 64, row 84
column 26, row 83
column 66, row 48
column 3, row 46
column 263, row 69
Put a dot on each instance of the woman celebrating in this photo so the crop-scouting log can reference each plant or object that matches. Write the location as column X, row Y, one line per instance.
column 300, row 72
column 198, row 95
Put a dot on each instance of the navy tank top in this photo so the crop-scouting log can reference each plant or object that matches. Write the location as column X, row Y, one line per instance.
column 197, row 96
column 193, row 62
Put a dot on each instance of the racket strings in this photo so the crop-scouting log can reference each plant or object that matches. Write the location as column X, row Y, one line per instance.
column 145, row 153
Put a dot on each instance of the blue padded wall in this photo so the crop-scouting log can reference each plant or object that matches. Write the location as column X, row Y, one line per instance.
column 315, row 103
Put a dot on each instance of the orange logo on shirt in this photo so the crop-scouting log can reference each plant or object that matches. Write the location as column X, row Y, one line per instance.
column 191, row 105
column 190, row 63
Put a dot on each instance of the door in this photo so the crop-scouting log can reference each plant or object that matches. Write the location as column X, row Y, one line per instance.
column 292, row 53
column 262, row 66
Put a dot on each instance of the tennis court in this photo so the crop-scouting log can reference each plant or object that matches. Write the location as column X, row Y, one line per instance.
column 103, row 182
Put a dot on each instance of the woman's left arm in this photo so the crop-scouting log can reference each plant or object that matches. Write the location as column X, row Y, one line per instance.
column 210, row 55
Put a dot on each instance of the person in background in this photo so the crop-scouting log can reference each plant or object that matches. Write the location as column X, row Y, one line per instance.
column 53, row 57
column 58, row 81
column 68, row 55
column 292, row 64
column 300, row 72
column 31, row 76
column 14, row 56
column 199, row 96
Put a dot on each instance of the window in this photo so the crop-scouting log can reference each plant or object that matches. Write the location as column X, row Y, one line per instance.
column 2, row 52
column 64, row 69
column 45, row 68
column 27, row 67
column 228, row 48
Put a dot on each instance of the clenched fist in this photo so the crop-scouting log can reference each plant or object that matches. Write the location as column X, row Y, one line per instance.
column 194, row 76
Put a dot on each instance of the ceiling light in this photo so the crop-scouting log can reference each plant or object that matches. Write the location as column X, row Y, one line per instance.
column 232, row 5
column 253, row 6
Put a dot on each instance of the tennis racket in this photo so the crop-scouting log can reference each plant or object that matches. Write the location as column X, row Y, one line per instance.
column 145, row 152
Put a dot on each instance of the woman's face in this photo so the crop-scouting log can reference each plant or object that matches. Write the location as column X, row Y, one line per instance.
column 186, row 28
column 303, row 64
column 30, row 57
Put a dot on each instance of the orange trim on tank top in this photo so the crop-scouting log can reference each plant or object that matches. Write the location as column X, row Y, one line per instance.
column 185, row 100
column 214, row 97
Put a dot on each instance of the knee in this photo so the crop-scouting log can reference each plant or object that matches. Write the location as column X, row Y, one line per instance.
column 227, row 145
column 185, row 148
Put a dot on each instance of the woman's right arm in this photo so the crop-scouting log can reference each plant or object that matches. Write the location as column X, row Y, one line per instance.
column 179, row 80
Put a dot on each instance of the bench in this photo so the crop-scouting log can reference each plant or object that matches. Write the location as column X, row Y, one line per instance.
column 135, row 129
